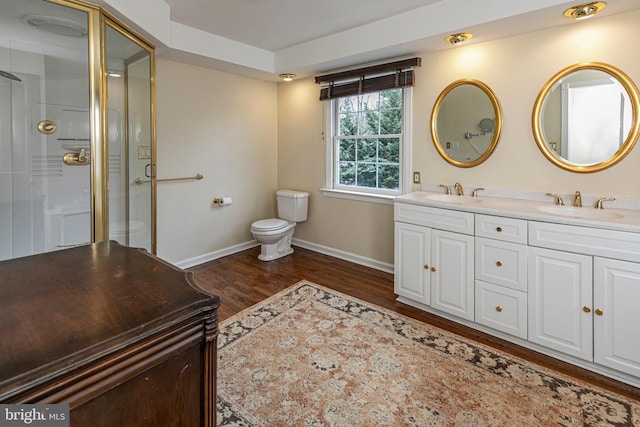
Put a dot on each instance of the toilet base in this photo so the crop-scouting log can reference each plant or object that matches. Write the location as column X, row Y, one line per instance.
column 268, row 255
column 279, row 249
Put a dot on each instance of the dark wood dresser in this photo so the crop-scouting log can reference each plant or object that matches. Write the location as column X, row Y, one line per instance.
column 121, row 336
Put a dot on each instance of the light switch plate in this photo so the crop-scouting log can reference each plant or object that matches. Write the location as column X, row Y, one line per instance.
column 416, row 177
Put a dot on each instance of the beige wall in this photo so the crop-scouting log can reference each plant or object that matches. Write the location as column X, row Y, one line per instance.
column 249, row 138
column 224, row 127
column 357, row 228
column 516, row 69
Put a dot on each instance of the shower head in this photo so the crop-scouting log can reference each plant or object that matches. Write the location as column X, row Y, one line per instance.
column 10, row 76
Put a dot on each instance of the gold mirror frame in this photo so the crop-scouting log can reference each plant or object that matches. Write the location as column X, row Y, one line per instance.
column 496, row 130
column 625, row 147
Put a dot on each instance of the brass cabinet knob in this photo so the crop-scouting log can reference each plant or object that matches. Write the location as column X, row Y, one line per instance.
column 433, row 269
column 586, row 309
column 498, row 229
column 499, row 263
column 599, row 312
column 426, row 266
column 499, row 308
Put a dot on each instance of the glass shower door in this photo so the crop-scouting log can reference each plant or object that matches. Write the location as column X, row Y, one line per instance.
column 44, row 119
column 76, row 129
column 130, row 139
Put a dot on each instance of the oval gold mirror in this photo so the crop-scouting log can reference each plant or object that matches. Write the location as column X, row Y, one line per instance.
column 466, row 123
column 585, row 119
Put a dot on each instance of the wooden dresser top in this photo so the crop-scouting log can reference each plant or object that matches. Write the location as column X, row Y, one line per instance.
column 63, row 308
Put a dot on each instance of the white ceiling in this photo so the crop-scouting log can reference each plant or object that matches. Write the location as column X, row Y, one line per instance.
column 311, row 36
column 262, row 38
column 278, row 24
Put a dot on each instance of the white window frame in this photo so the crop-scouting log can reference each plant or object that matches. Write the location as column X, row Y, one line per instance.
column 374, row 195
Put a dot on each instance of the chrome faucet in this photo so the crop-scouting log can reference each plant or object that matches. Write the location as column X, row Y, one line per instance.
column 458, row 188
column 577, row 202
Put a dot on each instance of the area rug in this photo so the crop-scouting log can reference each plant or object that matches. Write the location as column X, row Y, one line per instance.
column 309, row 356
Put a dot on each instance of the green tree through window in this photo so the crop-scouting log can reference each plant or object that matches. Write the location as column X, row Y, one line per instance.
column 368, row 140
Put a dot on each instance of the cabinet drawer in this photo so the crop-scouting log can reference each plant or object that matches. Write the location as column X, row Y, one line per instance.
column 442, row 219
column 502, row 263
column 584, row 240
column 501, row 308
column 507, row 229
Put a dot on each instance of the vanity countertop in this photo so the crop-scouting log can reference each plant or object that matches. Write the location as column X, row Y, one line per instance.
column 536, row 210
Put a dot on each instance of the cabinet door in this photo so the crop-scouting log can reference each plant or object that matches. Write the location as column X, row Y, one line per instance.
column 452, row 280
column 560, row 296
column 411, row 252
column 616, row 294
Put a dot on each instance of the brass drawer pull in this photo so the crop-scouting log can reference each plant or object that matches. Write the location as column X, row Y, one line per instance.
column 499, row 263
column 433, row 269
column 426, row 266
column 586, row 309
column 499, row 308
column 599, row 312
column 498, row 229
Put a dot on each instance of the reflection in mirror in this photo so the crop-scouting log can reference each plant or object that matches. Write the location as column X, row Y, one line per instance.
column 586, row 117
column 466, row 123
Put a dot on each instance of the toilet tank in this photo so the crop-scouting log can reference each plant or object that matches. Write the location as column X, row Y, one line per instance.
column 292, row 205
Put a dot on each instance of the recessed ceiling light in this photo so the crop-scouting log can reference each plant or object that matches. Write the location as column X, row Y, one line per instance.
column 287, row 77
column 584, row 11
column 459, row 38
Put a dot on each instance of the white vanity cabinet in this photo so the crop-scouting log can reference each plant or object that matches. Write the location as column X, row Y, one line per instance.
column 560, row 301
column 501, row 274
column 569, row 288
column 616, row 322
column 434, row 258
column 584, row 293
column 412, row 253
column 452, row 273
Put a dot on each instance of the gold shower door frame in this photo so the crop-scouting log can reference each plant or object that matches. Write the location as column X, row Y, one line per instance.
column 98, row 20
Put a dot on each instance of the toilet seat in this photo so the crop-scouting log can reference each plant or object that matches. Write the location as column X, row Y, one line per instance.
column 271, row 224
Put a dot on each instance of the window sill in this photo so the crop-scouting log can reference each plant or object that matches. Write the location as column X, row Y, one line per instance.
column 361, row 197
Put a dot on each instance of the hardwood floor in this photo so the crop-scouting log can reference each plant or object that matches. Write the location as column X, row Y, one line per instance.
column 241, row 280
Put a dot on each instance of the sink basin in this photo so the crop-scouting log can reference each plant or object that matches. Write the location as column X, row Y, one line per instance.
column 584, row 213
column 453, row 198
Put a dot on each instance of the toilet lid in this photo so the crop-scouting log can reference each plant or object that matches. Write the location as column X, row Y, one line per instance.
column 269, row 224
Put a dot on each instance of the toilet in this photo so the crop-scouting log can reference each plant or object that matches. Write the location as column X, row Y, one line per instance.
column 275, row 234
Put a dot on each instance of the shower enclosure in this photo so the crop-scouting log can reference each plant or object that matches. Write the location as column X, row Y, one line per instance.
column 76, row 129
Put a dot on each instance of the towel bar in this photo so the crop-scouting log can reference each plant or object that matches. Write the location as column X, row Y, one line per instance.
column 142, row 180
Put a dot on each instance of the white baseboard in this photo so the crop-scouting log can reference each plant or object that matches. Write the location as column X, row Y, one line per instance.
column 347, row 256
column 336, row 253
column 201, row 259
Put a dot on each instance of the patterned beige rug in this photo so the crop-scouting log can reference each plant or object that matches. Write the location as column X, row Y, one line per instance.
column 310, row 356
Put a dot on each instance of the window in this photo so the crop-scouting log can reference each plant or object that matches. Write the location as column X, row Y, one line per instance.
column 367, row 130
column 366, row 147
